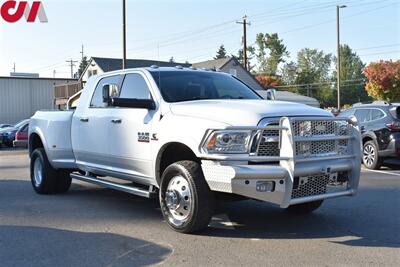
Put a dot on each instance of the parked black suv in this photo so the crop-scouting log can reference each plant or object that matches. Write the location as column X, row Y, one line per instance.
column 379, row 124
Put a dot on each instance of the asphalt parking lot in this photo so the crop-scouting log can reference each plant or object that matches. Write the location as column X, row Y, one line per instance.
column 92, row 226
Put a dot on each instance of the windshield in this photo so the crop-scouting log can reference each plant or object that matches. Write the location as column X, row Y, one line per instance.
column 177, row 86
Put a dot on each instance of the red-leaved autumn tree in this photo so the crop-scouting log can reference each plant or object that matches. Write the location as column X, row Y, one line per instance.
column 268, row 81
column 383, row 80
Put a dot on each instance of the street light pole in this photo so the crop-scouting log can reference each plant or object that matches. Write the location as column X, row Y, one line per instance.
column 123, row 36
column 338, row 54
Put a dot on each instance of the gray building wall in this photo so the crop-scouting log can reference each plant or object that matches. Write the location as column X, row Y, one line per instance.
column 20, row 98
column 242, row 74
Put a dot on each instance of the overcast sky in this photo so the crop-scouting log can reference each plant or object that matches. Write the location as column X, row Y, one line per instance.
column 192, row 30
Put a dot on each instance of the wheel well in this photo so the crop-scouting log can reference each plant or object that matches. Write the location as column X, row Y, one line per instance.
column 366, row 139
column 171, row 153
column 34, row 142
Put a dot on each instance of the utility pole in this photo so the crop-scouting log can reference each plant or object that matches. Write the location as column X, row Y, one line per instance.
column 72, row 65
column 123, row 36
column 338, row 54
column 245, row 23
column 14, row 67
column 82, row 52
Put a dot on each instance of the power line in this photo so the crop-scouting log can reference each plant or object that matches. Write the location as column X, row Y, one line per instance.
column 381, row 53
column 72, row 65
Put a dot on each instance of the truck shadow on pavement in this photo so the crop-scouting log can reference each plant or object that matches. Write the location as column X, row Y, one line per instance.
column 38, row 246
column 362, row 221
column 372, row 219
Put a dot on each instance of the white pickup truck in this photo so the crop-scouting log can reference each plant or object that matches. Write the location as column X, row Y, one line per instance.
column 190, row 136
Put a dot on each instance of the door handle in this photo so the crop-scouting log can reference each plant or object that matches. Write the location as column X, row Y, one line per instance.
column 84, row 119
column 116, row 120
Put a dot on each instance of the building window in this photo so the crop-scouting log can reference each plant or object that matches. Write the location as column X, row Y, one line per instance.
column 233, row 72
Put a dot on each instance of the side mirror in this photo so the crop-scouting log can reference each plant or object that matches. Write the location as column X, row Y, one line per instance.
column 133, row 103
column 271, row 94
column 106, row 93
column 353, row 120
column 110, row 91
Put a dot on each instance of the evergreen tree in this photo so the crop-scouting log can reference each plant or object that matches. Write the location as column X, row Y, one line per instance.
column 82, row 66
column 221, row 53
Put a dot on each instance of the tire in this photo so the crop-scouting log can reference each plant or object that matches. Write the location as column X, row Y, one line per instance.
column 186, row 200
column 370, row 157
column 44, row 178
column 304, row 208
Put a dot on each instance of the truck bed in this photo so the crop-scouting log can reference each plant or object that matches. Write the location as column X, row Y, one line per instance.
column 54, row 129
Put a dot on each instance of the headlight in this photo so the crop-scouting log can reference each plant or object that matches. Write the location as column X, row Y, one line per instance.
column 228, row 141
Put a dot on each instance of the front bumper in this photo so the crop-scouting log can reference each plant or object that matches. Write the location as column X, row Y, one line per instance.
column 233, row 174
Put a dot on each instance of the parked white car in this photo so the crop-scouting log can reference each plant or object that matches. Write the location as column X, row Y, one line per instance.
column 188, row 135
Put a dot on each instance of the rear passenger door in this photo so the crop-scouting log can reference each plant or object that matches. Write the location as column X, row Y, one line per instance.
column 130, row 131
column 92, row 129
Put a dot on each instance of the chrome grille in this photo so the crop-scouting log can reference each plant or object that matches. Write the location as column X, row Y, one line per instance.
column 321, row 148
column 306, row 128
column 320, row 128
column 310, row 186
column 269, row 144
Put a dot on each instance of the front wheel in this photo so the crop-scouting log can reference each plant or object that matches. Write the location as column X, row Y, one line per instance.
column 186, row 200
column 45, row 179
column 370, row 157
column 305, row 208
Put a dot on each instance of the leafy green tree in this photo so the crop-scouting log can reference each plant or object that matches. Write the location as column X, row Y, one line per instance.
column 313, row 75
column 171, row 60
column 221, row 53
column 352, row 79
column 289, row 73
column 82, row 66
column 270, row 53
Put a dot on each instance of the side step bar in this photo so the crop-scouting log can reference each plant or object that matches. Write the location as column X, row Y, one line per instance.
column 125, row 188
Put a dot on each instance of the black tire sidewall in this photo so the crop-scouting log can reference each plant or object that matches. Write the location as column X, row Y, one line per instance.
column 48, row 183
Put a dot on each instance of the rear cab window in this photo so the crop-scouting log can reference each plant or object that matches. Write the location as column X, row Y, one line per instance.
column 97, row 98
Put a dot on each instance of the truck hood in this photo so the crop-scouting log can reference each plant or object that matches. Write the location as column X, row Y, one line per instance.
column 240, row 112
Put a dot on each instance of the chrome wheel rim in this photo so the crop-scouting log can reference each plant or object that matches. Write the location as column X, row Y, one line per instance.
column 37, row 172
column 369, row 155
column 178, row 199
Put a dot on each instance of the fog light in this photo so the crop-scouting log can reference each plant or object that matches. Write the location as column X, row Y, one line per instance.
column 265, row 186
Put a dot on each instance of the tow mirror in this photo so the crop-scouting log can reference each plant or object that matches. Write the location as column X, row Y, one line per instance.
column 110, row 91
column 106, row 93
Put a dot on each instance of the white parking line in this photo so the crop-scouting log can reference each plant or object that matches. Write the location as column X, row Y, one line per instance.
column 383, row 172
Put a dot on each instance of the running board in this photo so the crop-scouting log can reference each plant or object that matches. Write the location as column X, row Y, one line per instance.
column 125, row 188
